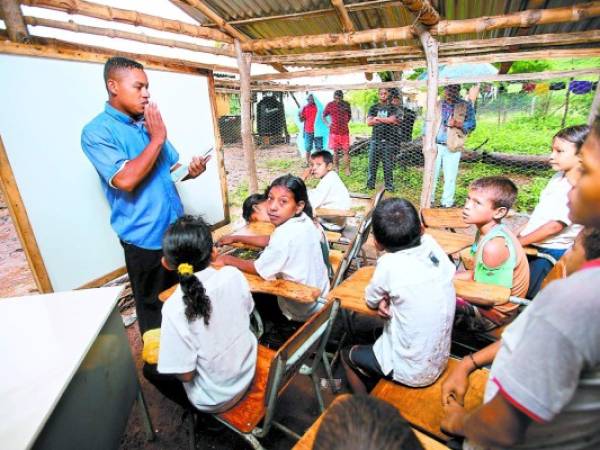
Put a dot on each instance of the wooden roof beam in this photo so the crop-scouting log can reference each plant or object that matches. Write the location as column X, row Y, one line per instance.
column 13, row 20
column 224, row 26
column 487, row 57
column 113, row 33
column 423, row 10
column 521, row 19
column 130, row 17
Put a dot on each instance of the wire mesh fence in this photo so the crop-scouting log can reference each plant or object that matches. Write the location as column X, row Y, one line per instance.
column 482, row 129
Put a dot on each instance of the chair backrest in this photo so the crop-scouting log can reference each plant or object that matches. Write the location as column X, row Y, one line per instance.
column 308, row 341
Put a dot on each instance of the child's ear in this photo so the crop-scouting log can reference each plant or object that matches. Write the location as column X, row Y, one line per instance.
column 378, row 246
column 500, row 212
column 165, row 264
column 214, row 253
column 300, row 207
column 330, row 166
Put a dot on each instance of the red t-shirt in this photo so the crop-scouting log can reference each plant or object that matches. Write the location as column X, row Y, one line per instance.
column 340, row 116
column 309, row 112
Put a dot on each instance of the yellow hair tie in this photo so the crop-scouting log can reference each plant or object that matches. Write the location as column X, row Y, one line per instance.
column 185, row 269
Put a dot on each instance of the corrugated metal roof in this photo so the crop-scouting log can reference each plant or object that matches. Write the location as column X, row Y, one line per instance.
column 378, row 14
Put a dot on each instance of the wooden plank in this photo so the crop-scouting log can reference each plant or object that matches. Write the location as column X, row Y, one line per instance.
column 218, row 146
column 13, row 20
column 422, row 407
column 443, row 218
column 129, row 17
column 351, row 292
column 21, row 222
column 308, row 439
column 101, row 281
column 298, row 292
column 449, row 241
column 335, row 212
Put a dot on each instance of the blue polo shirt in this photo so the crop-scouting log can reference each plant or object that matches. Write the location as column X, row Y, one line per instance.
column 140, row 217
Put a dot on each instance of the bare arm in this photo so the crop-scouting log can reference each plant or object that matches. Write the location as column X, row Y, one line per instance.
column 372, row 120
column 466, row 275
column 542, row 233
column 456, row 384
column 135, row 170
column 242, row 264
column 256, row 241
column 186, row 377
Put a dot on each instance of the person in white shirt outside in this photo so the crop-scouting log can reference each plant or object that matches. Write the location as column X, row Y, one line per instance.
column 330, row 192
column 543, row 390
column 413, row 292
column 205, row 339
column 292, row 252
column 549, row 227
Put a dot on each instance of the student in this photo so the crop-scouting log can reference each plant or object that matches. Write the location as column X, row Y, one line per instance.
column 361, row 422
column 339, row 135
column 499, row 258
column 544, row 383
column 330, row 192
column 205, row 339
column 549, row 228
column 412, row 291
column 254, row 208
column 293, row 252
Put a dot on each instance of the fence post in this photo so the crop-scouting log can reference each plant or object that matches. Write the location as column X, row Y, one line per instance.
column 244, row 63
column 430, row 46
column 595, row 105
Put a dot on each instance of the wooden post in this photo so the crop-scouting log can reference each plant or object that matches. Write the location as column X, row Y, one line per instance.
column 13, row 20
column 244, row 63
column 564, row 117
column 594, row 109
column 430, row 46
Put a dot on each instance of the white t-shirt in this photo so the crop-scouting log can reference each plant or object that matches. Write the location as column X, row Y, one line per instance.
column 223, row 354
column 294, row 253
column 553, row 206
column 415, row 343
column 330, row 193
column 549, row 365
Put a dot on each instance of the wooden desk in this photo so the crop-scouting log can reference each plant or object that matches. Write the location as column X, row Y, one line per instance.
column 443, row 218
column 330, row 212
column 69, row 379
column 449, row 241
column 308, row 439
column 288, row 289
column 351, row 292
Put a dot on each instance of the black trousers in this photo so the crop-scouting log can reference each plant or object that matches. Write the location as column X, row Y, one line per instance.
column 167, row 384
column 148, row 278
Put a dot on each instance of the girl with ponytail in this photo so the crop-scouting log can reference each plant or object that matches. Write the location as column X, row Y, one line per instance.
column 205, row 339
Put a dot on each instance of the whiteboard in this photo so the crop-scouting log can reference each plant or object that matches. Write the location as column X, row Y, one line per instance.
column 44, row 104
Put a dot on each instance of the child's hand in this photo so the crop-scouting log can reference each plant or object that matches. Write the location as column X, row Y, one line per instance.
column 383, row 309
column 453, row 420
column 306, row 173
column 455, row 386
column 225, row 240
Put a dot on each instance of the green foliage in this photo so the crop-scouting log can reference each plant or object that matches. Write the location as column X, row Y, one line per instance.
column 291, row 126
column 416, row 73
column 359, row 129
column 362, row 98
column 529, row 66
column 280, row 165
column 239, row 194
column 235, row 108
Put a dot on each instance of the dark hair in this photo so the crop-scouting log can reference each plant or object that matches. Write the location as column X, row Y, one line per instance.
column 189, row 241
column 504, row 191
column 327, row 156
column 118, row 63
column 591, row 243
column 298, row 189
column 396, row 224
column 575, row 135
column 362, row 422
column 338, row 93
column 249, row 204
column 394, row 93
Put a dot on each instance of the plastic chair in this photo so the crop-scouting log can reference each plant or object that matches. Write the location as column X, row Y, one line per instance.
column 274, row 371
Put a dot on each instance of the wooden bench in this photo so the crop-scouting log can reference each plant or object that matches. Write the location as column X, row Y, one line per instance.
column 422, row 407
column 308, row 439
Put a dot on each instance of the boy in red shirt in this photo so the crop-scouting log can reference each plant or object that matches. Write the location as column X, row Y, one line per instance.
column 339, row 135
column 308, row 115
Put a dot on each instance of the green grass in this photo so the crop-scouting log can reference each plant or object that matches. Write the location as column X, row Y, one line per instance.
column 280, row 165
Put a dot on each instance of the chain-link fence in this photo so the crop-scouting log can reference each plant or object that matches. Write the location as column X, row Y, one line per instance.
column 483, row 129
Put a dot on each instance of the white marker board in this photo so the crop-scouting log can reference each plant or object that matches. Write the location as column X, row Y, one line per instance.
column 44, row 104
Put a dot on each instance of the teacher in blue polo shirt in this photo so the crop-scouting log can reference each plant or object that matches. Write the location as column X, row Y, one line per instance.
column 127, row 144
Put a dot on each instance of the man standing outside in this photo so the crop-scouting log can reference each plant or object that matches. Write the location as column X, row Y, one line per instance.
column 382, row 117
column 339, row 135
column 127, row 145
column 308, row 115
column 455, row 113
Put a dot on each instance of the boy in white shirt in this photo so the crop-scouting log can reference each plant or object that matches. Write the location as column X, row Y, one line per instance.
column 549, row 228
column 330, row 192
column 412, row 290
